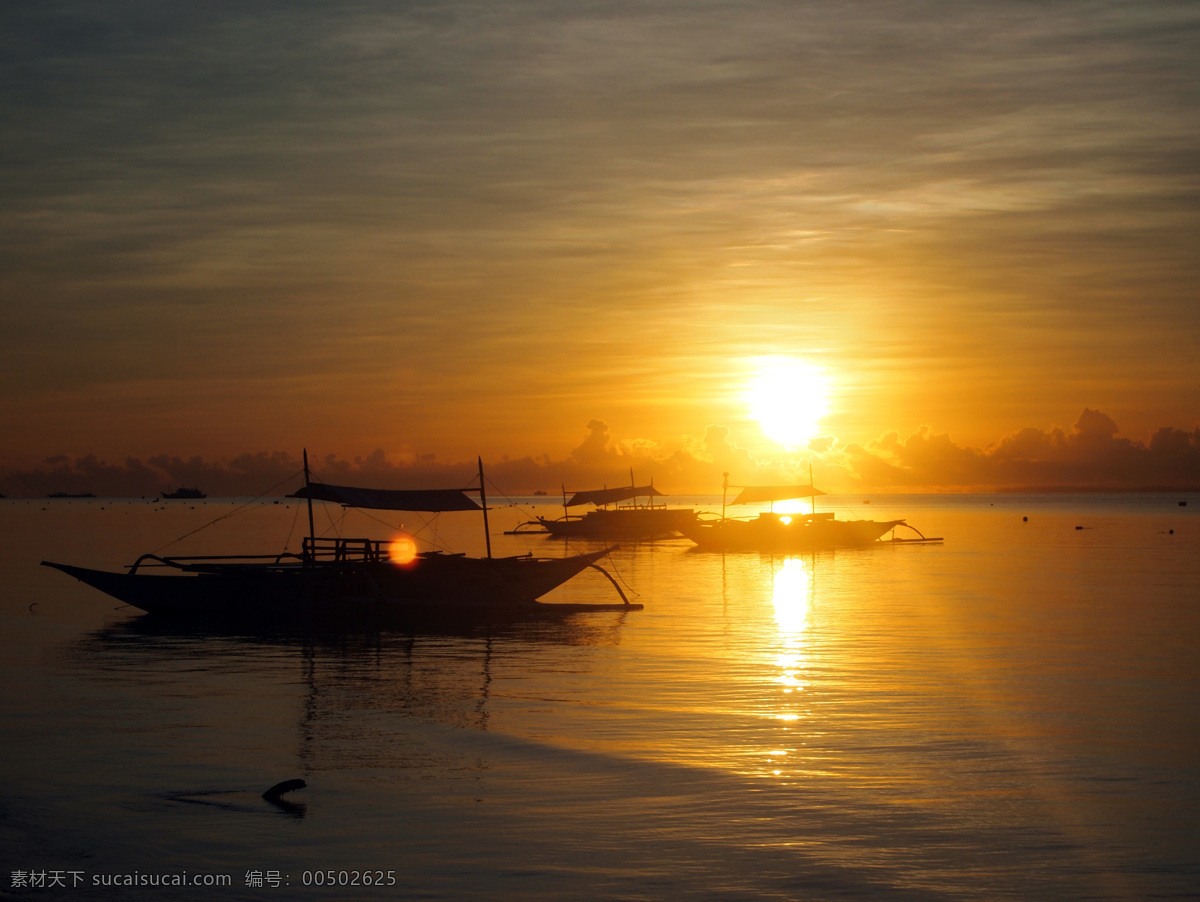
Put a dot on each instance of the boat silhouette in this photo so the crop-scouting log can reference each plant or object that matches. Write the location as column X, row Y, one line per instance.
column 185, row 493
column 778, row 532
column 632, row 522
column 350, row 575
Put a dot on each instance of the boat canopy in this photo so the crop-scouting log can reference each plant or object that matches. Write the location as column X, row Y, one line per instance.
column 756, row 494
column 611, row 496
column 390, row 499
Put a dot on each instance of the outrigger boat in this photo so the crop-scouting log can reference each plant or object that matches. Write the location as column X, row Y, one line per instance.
column 773, row 532
column 632, row 522
column 335, row 575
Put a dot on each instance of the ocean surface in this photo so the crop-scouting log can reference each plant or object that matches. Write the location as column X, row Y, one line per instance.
column 1011, row 714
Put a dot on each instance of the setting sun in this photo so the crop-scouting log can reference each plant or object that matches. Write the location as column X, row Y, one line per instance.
column 788, row 398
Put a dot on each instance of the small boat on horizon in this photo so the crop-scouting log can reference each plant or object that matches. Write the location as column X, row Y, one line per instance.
column 336, row 576
column 633, row 522
column 780, row 532
column 185, row 493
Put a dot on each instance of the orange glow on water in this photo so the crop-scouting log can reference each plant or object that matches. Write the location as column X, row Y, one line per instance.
column 402, row 549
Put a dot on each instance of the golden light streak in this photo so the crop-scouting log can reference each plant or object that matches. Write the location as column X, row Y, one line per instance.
column 790, row 595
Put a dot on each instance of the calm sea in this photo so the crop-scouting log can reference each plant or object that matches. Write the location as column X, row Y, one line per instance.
column 1014, row 713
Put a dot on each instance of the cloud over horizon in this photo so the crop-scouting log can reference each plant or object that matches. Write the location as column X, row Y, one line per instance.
column 1091, row 455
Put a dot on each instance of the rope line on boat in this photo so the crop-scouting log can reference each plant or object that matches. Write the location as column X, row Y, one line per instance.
column 611, row 580
column 569, row 547
column 429, row 524
column 231, row 513
column 333, row 524
column 521, row 510
column 612, row 563
column 292, row 528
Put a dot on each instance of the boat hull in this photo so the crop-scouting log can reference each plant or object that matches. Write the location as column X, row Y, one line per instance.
column 775, row 534
column 432, row 583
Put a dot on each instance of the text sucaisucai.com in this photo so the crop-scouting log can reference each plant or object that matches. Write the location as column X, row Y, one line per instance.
column 54, row 879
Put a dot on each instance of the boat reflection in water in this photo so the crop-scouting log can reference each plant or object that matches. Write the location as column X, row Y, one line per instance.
column 320, row 702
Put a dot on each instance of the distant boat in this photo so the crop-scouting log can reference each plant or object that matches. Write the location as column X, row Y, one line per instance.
column 71, row 495
column 631, row 523
column 332, row 576
column 772, row 532
column 185, row 493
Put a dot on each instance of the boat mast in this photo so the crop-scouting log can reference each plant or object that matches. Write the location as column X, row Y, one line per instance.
column 724, row 492
column 487, row 536
column 312, row 533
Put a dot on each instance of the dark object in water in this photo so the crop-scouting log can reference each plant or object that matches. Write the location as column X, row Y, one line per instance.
column 1079, row 527
column 1183, row 504
column 273, row 794
column 185, row 493
column 1024, row 519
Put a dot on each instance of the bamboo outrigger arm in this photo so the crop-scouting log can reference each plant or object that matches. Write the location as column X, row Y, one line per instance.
column 616, row 585
column 924, row 539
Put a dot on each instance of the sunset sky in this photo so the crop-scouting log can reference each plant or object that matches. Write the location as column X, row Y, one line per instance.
column 460, row 228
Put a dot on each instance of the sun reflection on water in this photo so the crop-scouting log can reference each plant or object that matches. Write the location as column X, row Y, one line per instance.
column 790, row 591
column 791, row 597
